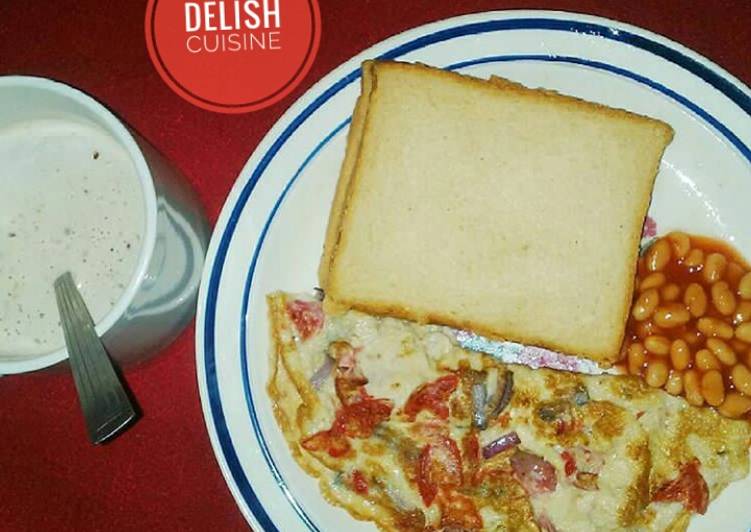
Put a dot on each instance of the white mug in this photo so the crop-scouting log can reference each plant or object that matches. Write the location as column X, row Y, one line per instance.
column 159, row 301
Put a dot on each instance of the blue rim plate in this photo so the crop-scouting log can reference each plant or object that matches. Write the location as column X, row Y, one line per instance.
column 270, row 231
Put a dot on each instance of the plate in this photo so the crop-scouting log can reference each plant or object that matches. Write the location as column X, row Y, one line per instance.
column 270, row 232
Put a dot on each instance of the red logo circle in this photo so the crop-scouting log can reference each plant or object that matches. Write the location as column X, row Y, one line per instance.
column 232, row 56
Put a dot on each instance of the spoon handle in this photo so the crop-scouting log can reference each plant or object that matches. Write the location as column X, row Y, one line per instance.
column 105, row 404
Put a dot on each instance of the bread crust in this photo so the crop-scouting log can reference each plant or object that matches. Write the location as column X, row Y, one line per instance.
column 354, row 140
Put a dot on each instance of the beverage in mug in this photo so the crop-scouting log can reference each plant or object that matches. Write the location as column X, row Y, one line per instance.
column 81, row 192
column 70, row 199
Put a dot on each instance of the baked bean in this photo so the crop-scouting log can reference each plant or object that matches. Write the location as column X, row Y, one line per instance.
column 742, row 312
column 646, row 328
column 656, row 374
column 658, row 345
column 714, row 267
column 722, row 298
column 706, row 360
column 743, row 332
column 636, row 358
column 711, row 327
column 722, row 351
column 735, row 405
column 674, row 384
column 670, row 292
column 695, row 299
column 741, row 379
column 739, row 346
column 744, row 286
column 653, row 280
column 658, row 255
column 734, row 273
column 680, row 242
column 671, row 315
column 645, row 305
column 694, row 260
column 692, row 385
column 712, row 387
column 689, row 329
column 693, row 338
column 680, row 355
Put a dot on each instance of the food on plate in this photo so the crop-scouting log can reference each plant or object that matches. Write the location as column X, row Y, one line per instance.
column 485, row 205
column 404, row 428
column 690, row 326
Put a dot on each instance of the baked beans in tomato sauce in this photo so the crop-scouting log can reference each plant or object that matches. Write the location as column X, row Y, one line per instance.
column 689, row 330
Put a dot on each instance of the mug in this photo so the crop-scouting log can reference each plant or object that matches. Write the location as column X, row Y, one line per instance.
column 159, row 301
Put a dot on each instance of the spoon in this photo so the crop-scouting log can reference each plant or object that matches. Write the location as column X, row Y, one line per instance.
column 106, row 406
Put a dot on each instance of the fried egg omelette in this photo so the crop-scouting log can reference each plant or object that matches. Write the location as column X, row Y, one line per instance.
column 404, row 428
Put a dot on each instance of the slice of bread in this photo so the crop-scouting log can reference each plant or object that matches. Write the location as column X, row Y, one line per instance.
column 485, row 205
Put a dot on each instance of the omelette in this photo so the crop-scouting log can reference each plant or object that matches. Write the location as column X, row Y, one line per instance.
column 404, row 428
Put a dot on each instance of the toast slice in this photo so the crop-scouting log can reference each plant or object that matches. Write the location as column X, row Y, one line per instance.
column 485, row 205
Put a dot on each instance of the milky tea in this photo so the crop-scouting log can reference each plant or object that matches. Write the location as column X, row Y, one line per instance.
column 70, row 199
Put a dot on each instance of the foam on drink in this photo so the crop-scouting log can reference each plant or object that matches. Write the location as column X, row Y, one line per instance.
column 70, row 199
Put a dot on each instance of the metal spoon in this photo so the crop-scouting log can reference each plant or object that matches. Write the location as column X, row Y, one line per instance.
column 106, row 406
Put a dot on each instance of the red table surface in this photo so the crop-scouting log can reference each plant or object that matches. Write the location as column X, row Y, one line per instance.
column 161, row 474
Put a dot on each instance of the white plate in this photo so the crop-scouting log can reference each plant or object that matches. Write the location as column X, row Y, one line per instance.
column 270, row 232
